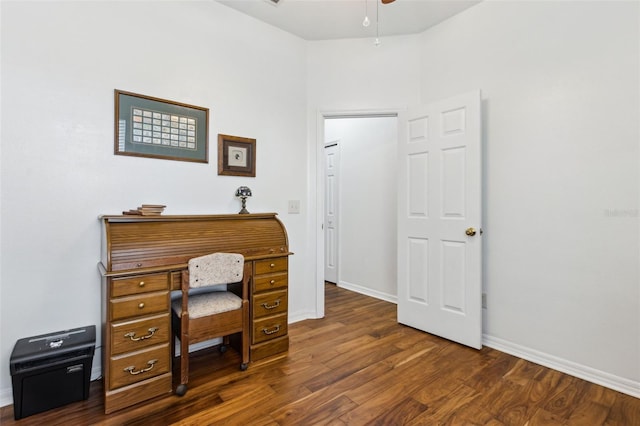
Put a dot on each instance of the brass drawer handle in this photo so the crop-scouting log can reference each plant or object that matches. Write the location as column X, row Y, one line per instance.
column 267, row 306
column 272, row 331
column 131, row 369
column 272, row 282
column 141, row 305
column 132, row 335
column 273, row 265
column 141, row 284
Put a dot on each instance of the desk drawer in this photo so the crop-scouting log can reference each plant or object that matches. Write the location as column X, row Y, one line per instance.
column 139, row 334
column 139, row 284
column 269, row 328
column 267, row 266
column 270, row 282
column 139, row 366
column 145, row 304
column 271, row 303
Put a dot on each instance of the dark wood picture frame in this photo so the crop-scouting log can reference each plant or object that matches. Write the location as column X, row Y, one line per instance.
column 146, row 126
column 236, row 156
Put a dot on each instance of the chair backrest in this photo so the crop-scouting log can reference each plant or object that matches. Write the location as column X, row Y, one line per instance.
column 215, row 269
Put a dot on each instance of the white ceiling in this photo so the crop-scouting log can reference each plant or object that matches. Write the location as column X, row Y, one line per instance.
column 335, row 19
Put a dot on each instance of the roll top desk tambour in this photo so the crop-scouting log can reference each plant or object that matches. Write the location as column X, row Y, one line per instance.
column 142, row 260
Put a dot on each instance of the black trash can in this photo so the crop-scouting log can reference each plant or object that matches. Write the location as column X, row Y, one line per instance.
column 51, row 370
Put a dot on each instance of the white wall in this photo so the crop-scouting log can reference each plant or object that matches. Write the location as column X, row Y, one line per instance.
column 348, row 75
column 61, row 62
column 367, row 205
column 560, row 84
column 352, row 76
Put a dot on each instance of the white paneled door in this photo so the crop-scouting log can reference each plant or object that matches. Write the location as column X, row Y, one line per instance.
column 332, row 167
column 439, row 220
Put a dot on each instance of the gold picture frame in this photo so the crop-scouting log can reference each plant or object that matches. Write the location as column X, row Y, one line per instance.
column 157, row 128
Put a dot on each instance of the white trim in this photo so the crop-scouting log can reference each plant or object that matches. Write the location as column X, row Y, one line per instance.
column 593, row 375
column 6, row 397
column 360, row 114
column 368, row 292
column 580, row 371
column 294, row 317
column 319, row 224
column 589, row 374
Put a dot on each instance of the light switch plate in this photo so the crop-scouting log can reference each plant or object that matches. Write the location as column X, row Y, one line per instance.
column 294, row 207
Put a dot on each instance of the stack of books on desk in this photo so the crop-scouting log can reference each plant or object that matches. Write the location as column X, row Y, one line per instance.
column 147, row 210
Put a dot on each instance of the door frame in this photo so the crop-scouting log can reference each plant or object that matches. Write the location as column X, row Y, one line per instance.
column 321, row 116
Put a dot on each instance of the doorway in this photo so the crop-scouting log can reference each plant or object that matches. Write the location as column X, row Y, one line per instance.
column 359, row 199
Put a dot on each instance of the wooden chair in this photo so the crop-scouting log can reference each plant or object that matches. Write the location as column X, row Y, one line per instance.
column 199, row 316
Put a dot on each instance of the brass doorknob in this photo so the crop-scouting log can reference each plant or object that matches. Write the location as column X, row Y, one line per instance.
column 470, row 232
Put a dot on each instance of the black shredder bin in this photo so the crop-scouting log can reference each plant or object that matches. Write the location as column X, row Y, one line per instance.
column 51, row 370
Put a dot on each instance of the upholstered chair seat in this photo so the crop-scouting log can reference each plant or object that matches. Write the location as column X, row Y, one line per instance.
column 202, row 305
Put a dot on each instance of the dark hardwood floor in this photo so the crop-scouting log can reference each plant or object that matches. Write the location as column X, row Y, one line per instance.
column 358, row 366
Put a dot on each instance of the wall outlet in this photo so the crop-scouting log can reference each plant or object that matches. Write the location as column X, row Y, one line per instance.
column 484, row 300
column 294, row 207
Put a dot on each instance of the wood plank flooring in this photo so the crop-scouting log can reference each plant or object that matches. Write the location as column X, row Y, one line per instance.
column 357, row 366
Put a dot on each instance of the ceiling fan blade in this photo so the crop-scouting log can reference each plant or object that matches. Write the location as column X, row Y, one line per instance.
column 387, row 1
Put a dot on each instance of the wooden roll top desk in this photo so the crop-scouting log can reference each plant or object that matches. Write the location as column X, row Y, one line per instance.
column 142, row 260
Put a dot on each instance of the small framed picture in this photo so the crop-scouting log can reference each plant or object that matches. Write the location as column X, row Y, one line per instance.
column 236, row 156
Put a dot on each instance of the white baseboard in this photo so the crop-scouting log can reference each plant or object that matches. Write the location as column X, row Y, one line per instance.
column 369, row 292
column 301, row 316
column 589, row 374
column 6, row 396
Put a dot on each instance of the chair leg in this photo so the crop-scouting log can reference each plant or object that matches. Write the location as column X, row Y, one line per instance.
column 224, row 345
column 245, row 337
column 181, row 389
column 184, row 356
column 246, row 324
column 184, row 334
column 184, row 366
